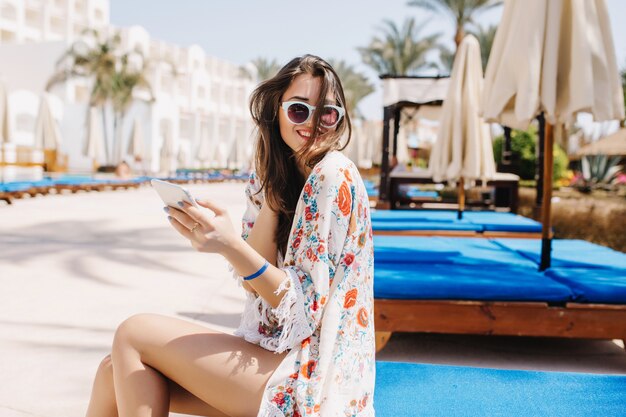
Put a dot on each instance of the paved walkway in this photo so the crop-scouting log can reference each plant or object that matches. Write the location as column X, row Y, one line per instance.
column 72, row 267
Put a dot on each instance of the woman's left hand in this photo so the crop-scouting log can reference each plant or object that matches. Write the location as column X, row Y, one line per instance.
column 207, row 233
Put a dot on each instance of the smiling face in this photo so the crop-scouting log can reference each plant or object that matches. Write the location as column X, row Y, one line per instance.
column 305, row 88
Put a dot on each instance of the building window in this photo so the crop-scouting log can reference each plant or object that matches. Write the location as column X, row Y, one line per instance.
column 99, row 15
column 81, row 94
column 8, row 12
column 57, row 25
column 79, row 7
column 185, row 127
column 33, row 18
column 25, row 123
column 7, row 36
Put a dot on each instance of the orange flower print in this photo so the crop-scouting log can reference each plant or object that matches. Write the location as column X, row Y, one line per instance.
column 307, row 369
column 316, row 408
column 362, row 317
column 321, row 248
column 344, row 199
column 305, row 342
column 350, row 299
column 347, row 175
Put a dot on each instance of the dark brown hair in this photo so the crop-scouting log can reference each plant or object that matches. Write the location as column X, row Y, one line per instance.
column 275, row 163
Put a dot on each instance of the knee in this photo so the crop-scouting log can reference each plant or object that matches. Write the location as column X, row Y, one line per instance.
column 105, row 369
column 129, row 331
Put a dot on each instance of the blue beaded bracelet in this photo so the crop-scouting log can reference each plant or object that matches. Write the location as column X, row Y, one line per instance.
column 257, row 273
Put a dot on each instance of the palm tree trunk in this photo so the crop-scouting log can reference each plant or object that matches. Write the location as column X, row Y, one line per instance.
column 105, row 134
column 460, row 34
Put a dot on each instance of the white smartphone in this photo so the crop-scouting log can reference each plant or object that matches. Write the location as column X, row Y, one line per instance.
column 171, row 194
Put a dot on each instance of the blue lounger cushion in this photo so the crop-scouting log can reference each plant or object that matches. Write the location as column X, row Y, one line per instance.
column 446, row 250
column 447, row 216
column 569, row 253
column 425, row 281
column 421, row 225
column 593, row 285
column 409, row 389
column 502, row 222
column 480, row 220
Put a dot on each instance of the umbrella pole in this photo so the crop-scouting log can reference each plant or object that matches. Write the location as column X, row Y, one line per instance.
column 461, row 199
column 546, row 241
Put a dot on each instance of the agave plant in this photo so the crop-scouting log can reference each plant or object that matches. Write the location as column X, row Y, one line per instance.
column 599, row 171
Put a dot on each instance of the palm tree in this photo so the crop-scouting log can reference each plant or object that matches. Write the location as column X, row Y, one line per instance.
column 446, row 58
column 399, row 51
column 126, row 81
column 94, row 57
column 265, row 69
column 356, row 86
column 485, row 38
column 461, row 11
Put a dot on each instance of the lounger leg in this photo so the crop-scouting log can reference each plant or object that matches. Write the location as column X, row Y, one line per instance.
column 381, row 340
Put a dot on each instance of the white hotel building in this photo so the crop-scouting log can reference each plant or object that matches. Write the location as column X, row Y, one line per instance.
column 203, row 110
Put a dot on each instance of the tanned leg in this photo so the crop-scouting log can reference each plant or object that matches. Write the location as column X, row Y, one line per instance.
column 153, row 355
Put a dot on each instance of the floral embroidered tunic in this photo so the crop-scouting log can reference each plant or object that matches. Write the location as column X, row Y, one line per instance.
column 325, row 320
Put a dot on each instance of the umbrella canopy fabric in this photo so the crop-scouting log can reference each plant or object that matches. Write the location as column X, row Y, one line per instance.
column 136, row 145
column 463, row 148
column 94, row 145
column 4, row 115
column 555, row 57
column 47, row 133
column 612, row 145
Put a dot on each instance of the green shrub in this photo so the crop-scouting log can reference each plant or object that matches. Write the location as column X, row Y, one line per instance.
column 523, row 146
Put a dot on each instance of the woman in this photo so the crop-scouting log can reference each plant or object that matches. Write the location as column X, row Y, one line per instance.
column 305, row 345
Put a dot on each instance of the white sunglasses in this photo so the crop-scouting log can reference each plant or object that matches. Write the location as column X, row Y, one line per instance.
column 299, row 113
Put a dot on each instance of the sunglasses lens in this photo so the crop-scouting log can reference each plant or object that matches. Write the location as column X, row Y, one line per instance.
column 298, row 113
column 330, row 117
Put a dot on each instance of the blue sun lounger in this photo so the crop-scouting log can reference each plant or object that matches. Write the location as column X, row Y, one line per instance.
column 410, row 389
column 493, row 286
column 445, row 223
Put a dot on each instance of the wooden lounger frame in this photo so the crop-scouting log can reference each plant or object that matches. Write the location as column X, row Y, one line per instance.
column 572, row 320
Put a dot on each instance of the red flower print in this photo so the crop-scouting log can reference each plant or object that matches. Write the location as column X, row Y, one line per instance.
column 350, row 298
column 296, row 243
column 252, row 180
column 344, row 199
column 321, row 249
column 348, row 259
column 305, row 342
column 362, row 317
column 307, row 369
column 308, row 216
column 314, row 306
column 308, row 189
column 294, row 375
column 279, row 399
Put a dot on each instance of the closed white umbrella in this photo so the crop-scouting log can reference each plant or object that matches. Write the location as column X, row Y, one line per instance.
column 463, row 148
column 94, row 144
column 136, row 144
column 4, row 115
column 47, row 133
column 554, row 57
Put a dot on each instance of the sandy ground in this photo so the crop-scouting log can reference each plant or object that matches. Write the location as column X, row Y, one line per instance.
column 72, row 267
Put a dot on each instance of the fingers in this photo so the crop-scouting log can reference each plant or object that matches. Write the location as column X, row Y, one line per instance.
column 215, row 208
column 181, row 217
column 180, row 228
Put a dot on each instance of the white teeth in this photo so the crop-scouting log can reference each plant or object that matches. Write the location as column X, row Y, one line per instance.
column 305, row 134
